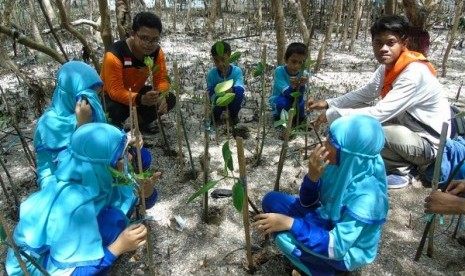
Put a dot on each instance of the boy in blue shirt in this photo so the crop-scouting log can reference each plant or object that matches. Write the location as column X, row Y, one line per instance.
column 290, row 78
column 223, row 71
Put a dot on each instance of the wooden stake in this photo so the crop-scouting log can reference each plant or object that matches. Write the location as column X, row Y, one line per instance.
column 245, row 206
column 435, row 182
column 141, row 193
column 282, row 155
column 206, row 154
column 10, row 240
column 178, row 118
column 262, row 117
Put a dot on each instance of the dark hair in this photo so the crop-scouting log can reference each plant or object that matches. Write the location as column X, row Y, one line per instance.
column 227, row 48
column 146, row 19
column 392, row 23
column 295, row 48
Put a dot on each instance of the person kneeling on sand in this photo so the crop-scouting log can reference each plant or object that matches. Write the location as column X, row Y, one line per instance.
column 335, row 223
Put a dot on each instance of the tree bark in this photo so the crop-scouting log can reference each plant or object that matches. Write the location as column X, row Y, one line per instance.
column 418, row 14
column 389, row 7
column 105, row 25
column 346, row 23
column 212, row 19
column 49, row 10
column 85, row 46
column 123, row 18
column 458, row 12
column 357, row 13
column 22, row 39
column 279, row 26
column 34, row 19
column 329, row 31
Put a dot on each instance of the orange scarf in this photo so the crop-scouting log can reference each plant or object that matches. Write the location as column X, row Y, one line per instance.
column 404, row 59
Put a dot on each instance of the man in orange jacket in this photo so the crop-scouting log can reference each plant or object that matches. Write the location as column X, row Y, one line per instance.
column 124, row 75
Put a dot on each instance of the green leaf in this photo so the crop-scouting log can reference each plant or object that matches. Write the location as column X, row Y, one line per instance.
column 284, row 115
column 168, row 78
column 309, row 62
column 202, row 190
column 279, row 123
column 222, row 87
column 155, row 68
column 234, row 57
column 119, row 178
column 145, row 175
column 296, row 94
column 219, row 46
column 227, row 156
column 225, row 99
column 259, row 70
column 2, row 234
column 238, row 196
column 148, row 61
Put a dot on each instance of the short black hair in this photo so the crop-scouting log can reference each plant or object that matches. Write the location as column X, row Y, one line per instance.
column 146, row 19
column 397, row 24
column 227, row 48
column 295, row 48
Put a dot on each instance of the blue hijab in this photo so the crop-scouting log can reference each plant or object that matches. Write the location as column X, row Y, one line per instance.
column 61, row 219
column 358, row 183
column 75, row 80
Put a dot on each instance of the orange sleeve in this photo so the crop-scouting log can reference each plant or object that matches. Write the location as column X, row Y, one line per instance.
column 160, row 77
column 113, row 82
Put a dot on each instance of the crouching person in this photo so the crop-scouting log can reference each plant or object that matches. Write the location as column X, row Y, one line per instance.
column 79, row 225
column 335, row 223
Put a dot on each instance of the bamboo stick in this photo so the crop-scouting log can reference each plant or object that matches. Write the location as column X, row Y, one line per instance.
column 282, row 155
column 178, row 118
column 245, row 206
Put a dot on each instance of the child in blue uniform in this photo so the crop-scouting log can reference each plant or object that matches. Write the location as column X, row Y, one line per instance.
column 335, row 223
column 290, row 78
column 75, row 102
column 78, row 225
column 223, row 71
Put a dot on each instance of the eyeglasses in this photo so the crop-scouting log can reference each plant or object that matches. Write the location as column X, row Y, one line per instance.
column 148, row 40
column 379, row 43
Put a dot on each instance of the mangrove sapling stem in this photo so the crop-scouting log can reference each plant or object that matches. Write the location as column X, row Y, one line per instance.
column 184, row 131
column 178, row 118
column 5, row 191
column 434, row 187
column 316, row 133
column 29, row 155
column 262, row 117
column 11, row 242
column 454, row 235
column 10, row 180
column 206, row 154
column 141, row 193
column 245, row 206
column 282, row 155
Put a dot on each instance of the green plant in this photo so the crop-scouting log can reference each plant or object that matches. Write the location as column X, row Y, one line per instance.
column 237, row 190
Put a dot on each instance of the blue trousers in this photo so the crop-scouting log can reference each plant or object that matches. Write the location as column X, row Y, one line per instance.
column 276, row 202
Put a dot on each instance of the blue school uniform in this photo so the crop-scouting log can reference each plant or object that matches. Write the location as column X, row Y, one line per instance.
column 214, row 77
column 75, row 80
column 68, row 225
column 338, row 220
column 281, row 96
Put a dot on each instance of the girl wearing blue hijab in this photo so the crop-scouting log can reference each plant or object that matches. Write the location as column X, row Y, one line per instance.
column 78, row 224
column 74, row 103
column 335, row 223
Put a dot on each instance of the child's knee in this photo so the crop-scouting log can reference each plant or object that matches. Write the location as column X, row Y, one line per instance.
column 269, row 200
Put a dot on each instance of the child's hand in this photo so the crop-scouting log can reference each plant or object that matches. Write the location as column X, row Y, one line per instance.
column 83, row 112
column 133, row 140
column 130, row 239
column 317, row 163
column 303, row 81
column 294, row 82
column 149, row 183
column 272, row 222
